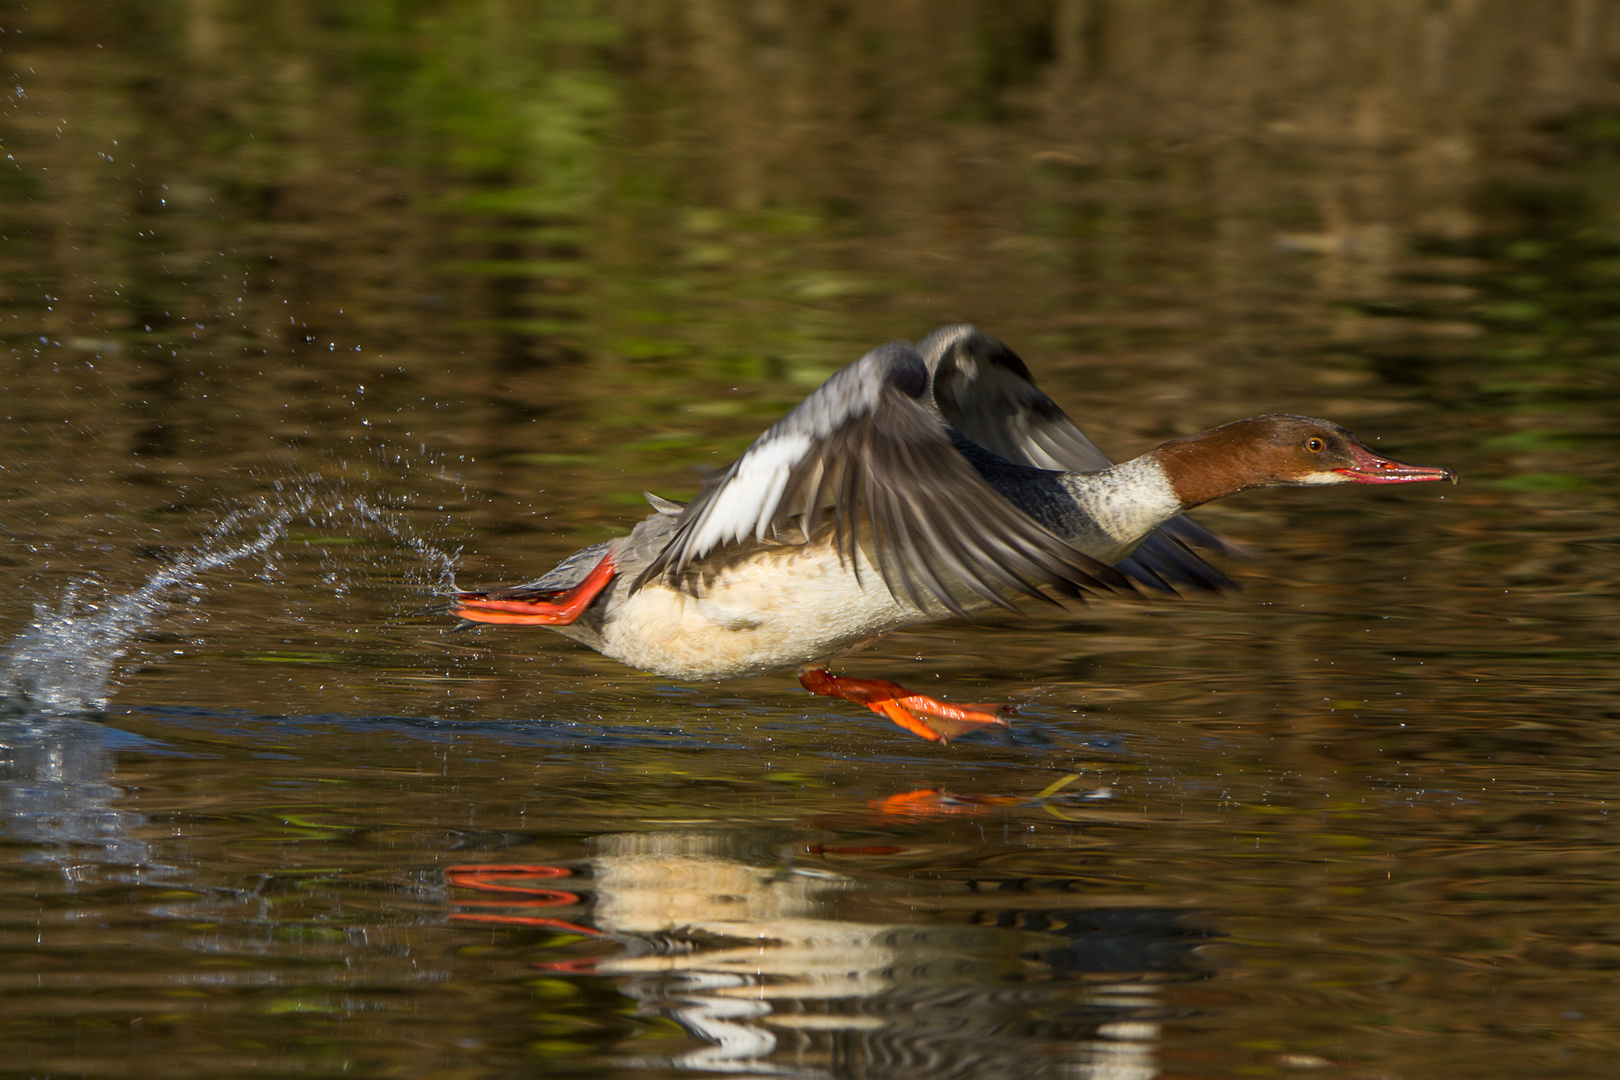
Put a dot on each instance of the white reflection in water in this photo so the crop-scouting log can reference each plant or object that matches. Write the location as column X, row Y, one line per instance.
column 1123, row 1051
column 751, row 957
column 55, row 795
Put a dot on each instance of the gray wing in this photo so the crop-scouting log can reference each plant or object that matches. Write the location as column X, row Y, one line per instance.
column 565, row 575
column 986, row 392
column 866, row 456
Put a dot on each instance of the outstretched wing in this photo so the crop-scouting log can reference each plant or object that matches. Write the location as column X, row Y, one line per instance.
column 986, row 392
column 864, row 455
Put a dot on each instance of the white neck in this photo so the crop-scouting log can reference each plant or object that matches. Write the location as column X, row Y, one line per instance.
column 1123, row 504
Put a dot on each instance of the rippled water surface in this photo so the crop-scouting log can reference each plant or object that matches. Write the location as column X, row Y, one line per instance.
column 309, row 309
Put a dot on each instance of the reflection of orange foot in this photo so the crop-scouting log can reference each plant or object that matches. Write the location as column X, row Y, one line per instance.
column 930, row 802
column 925, row 802
column 585, row 965
column 529, row 607
column 934, row 720
column 499, row 878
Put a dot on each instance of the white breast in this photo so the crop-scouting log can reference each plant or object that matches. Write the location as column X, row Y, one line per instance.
column 783, row 608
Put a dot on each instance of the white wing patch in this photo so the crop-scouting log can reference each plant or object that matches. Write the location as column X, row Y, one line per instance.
column 747, row 502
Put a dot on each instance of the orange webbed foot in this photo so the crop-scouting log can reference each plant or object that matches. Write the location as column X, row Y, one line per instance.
column 517, row 607
column 931, row 719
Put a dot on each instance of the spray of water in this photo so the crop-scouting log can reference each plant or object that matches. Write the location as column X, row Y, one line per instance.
column 63, row 664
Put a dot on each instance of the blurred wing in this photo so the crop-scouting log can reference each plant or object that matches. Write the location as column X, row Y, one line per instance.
column 865, row 454
column 986, row 392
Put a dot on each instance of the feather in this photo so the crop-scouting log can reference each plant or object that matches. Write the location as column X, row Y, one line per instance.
column 985, row 391
column 868, row 447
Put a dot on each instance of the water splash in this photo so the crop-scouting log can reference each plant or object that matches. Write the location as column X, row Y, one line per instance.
column 64, row 663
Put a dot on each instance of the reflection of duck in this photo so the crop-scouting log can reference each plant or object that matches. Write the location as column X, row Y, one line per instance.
column 913, row 485
column 755, row 960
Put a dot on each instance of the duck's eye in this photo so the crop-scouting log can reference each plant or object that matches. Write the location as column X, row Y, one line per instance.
column 1314, row 445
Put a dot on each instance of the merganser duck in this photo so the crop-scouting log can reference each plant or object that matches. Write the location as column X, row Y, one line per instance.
column 916, row 484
